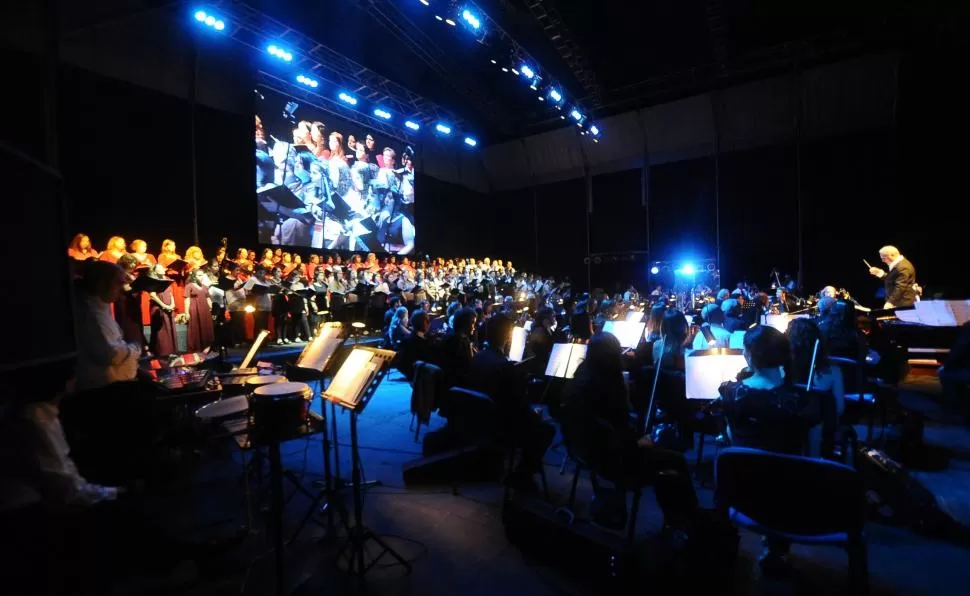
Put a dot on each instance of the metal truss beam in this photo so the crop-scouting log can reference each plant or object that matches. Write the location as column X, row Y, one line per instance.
column 545, row 12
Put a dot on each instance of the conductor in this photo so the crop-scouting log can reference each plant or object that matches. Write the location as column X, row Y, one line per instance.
column 899, row 281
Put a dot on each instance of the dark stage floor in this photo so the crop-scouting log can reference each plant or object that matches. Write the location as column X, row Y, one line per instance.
column 458, row 545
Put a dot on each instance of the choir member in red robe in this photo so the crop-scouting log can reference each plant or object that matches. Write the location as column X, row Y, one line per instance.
column 128, row 308
column 114, row 250
column 198, row 306
column 139, row 249
column 162, row 342
column 80, row 248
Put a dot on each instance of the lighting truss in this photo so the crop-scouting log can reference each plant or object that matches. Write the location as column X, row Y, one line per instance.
column 551, row 22
column 335, row 72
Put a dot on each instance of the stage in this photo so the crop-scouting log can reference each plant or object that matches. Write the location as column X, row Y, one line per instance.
column 458, row 543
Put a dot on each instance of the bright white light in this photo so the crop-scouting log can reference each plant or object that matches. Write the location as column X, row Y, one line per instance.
column 594, row 129
column 541, row 98
column 382, row 113
column 200, row 16
column 504, row 69
column 272, row 50
column 347, row 98
column 554, row 95
column 425, row 2
column 210, row 20
column 526, row 71
column 654, row 270
column 443, row 129
column 687, row 269
column 450, row 22
column 469, row 17
column 438, row 17
column 493, row 61
column 576, row 115
column 219, row 25
column 300, row 79
column 313, row 84
column 515, row 71
column 412, row 125
column 470, row 141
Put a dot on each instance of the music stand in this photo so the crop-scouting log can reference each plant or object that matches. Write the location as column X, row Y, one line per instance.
column 705, row 370
column 352, row 388
column 517, row 348
column 563, row 361
column 629, row 333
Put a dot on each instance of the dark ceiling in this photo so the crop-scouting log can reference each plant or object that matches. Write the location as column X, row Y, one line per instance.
column 633, row 52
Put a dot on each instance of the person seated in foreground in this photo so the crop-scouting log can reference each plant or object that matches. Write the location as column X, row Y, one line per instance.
column 803, row 335
column 732, row 315
column 458, row 349
column 598, row 395
column 539, row 347
column 764, row 411
column 493, row 374
column 668, row 352
column 417, row 346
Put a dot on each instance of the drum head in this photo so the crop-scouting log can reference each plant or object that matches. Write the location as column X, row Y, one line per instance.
column 260, row 380
column 223, row 408
column 283, row 390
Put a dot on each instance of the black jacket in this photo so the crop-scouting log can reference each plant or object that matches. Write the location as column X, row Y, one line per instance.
column 899, row 284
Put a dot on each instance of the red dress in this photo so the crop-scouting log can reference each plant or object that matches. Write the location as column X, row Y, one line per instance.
column 201, row 332
column 128, row 313
column 162, row 341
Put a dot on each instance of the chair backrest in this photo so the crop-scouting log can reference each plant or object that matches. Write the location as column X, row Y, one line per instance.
column 671, row 390
column 471, row 412
column 789, row 493
column 853, row 374
column 829, row 416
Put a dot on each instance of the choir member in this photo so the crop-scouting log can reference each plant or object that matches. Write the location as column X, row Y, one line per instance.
column 80, row 248
column 114, row 250
column 162, row 342
column 139, row 249
column 198, row 307
column 128, row 308
column 168, row 254
column 194, row 257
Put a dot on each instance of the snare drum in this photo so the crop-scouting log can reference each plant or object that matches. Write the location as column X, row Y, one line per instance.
column 222, row 409
column 254, row 382
column 279, row 409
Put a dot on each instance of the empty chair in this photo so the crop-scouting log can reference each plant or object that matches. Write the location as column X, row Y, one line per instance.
column 794, row 499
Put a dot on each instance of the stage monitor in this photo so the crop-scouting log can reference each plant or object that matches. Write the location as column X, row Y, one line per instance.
column 325, row 183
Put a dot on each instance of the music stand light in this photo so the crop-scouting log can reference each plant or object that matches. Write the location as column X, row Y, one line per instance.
column 565, row 359
column 781, row 321
column 627, row 332
column 517, row 348
column 705, row 370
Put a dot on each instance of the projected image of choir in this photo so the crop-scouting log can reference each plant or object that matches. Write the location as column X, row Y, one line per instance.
column 323, row 188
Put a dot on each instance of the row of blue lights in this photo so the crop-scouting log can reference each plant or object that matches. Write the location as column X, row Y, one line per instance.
column 471, row 19
column 278, row 51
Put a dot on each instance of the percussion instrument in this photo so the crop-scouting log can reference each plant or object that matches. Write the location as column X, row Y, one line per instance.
column 256, row 381
column 222, row 409
column 279, row 408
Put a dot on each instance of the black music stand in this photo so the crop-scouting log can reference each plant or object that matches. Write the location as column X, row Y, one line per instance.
column 355, row 548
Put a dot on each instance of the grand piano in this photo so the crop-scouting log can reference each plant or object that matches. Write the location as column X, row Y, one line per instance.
column 926, row 330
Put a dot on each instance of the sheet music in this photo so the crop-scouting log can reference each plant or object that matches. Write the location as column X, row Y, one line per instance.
column 347, row 384
column 634, row 316
column 322, row 348
column 252, row 351
column 517, row 349
column 937, row 313
column 627, row 332
column 565, row 359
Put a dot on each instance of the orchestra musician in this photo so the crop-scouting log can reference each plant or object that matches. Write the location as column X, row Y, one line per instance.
column 899, row 281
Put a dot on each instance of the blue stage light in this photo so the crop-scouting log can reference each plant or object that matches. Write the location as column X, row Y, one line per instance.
column 279, row 53
column 594, row 130
column 209, row 20
column 425, row 2
column 219, row 25
column 443, row 128
column 347, row 98
column 555, row 95
column 687, row 269
column 200, row 16
column 472, row 19
column 654, row 270
column 412, row 125
column 382, row 113
column 576, row 115
column 307, row 81
column 526, row 71
column 470, row 141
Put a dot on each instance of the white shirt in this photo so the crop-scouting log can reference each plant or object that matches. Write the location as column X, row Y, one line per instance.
column 103, row 356
column 894, row 262
column 722, row 337
column 37, row 465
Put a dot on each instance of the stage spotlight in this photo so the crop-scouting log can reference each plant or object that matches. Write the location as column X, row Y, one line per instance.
column 504, row 69
column 515, row 72
column 576, row 115
column 450, row 22
column 438, row 17
column 470, row 141
column 527, row 72
column 425, row 2
column 493, row 61
column 471, row 19
column 279, row 53
column 555, row 95
column 541, row 98
column 382, row 113
column 654, row 270
column 594, row 130
column 443, row 128
column 412, row 125
column 347, row 98
column 687, row 269
column 210, row 20
column 307, row 81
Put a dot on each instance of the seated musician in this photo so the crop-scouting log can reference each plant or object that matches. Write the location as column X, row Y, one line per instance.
column 669, row 353
column 417, row 346
column 732, row 315
column 540, row 339
column 457, row 349
column 764, row 411
column 713, row 318
column 802, row 335
column 491, row 373
column 597, row 396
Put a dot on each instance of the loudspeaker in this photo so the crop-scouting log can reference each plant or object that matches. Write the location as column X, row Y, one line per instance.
column 467, row 464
